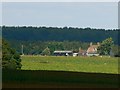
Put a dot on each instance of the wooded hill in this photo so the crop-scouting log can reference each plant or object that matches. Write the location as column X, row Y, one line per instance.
column 36, row 39
column 58, row 34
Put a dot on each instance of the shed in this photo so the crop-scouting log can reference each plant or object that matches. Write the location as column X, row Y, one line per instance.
column 63, row 53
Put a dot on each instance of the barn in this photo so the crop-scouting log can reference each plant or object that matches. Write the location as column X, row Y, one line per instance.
column 63, row 53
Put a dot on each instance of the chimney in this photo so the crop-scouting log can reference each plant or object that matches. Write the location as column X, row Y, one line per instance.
column 98, row 43
column 91, row 44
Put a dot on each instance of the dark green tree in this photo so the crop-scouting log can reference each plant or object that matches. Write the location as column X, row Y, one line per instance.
column 10, row 58
column 106, row 46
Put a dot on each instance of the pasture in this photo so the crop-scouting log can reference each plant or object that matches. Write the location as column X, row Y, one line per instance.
column 74, row 64
column 63, row 72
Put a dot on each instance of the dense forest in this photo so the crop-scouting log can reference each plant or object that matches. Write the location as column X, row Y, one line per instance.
column 58, row 34
column 36, row 39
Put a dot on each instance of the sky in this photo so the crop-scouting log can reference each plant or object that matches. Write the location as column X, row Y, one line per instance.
column 61, row 14
column 60, row 0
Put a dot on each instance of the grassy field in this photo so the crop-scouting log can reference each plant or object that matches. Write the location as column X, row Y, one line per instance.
column 57, row 72
column 76, row 64
column 58, row 79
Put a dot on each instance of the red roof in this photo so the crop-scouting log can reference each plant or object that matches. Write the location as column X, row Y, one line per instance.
column 92, row 49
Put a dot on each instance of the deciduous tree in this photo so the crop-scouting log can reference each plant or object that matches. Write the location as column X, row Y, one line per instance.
column 106, row 46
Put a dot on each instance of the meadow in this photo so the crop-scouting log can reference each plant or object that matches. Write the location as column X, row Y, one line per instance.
column 63, row 72
column 74, row 64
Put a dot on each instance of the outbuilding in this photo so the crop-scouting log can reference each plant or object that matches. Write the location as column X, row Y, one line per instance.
column 63, row 53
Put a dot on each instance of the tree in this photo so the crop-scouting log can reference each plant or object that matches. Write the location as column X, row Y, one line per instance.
column 116, row 50
column 106, row 46
column 10, row 58
column 46, row 51
column 58, row 34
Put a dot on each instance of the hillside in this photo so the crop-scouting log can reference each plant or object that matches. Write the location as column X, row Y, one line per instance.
column 58, row 34
column 36, row 39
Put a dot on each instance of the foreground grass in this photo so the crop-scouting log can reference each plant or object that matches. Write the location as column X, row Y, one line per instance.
column 76, row 64
column 58, row 79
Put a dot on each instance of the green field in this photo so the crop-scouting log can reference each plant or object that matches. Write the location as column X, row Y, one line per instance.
column 76, row 64
column 57, row 72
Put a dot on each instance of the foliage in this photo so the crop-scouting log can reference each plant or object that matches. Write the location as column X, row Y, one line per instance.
column 58, row 34
column 36, row 39
column 106, row 46
column 116, row 50
column 37, row 47
column 10, row 58
column 46, row 51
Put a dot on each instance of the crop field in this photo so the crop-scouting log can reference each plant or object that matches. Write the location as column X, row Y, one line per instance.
column 75, row 64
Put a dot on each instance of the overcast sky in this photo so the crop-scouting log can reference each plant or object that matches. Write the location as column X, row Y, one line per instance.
column 60, row 14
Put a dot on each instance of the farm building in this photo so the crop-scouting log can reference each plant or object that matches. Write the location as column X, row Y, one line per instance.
column 63, row 53
column 82, row 52
column 92, row 50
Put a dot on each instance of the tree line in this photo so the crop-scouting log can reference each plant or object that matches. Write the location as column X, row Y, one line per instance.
column 40, row 47
column 36, row 40
column 37, row 47
column 25, row 33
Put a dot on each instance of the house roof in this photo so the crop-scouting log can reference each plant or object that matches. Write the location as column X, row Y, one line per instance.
column 94, row 46
column 92, row 49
